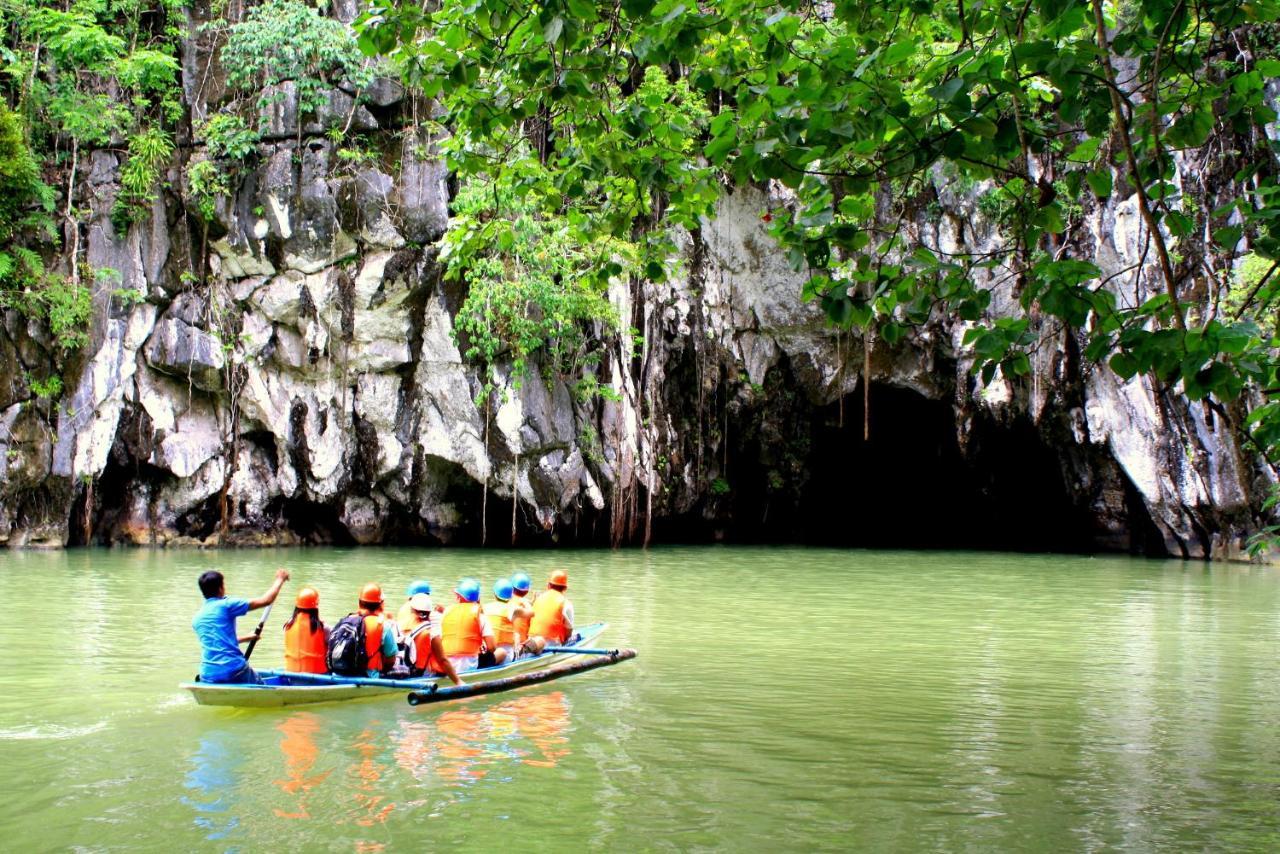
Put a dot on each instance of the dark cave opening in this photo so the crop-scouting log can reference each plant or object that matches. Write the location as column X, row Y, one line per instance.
column 313, row 522
column 909, row 485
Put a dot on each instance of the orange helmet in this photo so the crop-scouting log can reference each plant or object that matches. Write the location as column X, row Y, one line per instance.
column 371, row 593
column 308, row 598
column 559, row 578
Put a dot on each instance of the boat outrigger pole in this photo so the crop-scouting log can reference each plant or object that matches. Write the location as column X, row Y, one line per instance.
column 439, row 695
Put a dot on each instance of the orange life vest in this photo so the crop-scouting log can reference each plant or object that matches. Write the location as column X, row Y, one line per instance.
column 373, row 626
column 303, row 648
column 548, row 617
column 499, row 614
column 521, row 624
column 461, row 629
column 424, row 658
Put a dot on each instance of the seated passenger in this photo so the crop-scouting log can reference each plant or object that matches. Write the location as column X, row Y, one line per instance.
column 552, row 611
column 377, row 655
column 305, row 637
column 405, row 619
column 520, row 595
column 465, row 629
column 502, row 614
column 424, row 645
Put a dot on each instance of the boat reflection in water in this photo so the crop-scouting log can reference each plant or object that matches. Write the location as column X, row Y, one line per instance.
column 298, row 743
column 451, row 750
column 211, row 781
column 461, row 747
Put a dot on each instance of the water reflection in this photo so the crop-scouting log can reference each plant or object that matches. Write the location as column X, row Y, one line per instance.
column 300, row 753
column 212, row 781
column 372, row 806
column 461, row 746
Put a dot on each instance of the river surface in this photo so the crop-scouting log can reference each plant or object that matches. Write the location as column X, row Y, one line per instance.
column 783, row 699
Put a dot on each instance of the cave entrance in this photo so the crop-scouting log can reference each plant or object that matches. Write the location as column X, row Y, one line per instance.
column 910, row 486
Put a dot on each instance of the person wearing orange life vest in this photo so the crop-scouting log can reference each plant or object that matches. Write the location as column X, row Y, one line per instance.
column 379, row 637
column 305, row 636
column 502, row 614
column 406, row 620
column 552, row 611
column 424, row 643
column 520, row 595
column 466, row 632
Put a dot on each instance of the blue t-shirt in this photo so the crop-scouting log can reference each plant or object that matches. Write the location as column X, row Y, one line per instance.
column 215, row 626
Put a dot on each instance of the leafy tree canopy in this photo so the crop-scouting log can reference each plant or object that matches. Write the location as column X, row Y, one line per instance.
column 862, row 109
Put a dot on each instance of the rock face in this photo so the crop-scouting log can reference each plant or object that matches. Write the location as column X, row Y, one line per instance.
column 305, row 385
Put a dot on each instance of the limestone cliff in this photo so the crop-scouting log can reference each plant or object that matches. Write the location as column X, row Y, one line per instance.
column 293, row 376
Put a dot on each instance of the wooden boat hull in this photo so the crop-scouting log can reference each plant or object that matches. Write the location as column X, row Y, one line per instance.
column 293, row 689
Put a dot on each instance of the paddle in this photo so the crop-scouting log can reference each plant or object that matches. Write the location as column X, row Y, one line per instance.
column 257, row 633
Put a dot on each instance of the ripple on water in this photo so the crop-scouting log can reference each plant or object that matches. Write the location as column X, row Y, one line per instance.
column 50, row 732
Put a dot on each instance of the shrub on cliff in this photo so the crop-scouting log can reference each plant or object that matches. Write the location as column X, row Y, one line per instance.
column 284, row 40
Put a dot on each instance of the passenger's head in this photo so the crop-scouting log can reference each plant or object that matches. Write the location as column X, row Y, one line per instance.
column 468, row 590
column 502, row 590
column 211, row 584
column 422, row 606
column 308, row 597
column 371, row 597
column 419, row 586
column 520, row 582
column 559, row 580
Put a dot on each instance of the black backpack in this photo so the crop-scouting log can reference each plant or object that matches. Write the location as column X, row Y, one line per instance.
column 346, row 655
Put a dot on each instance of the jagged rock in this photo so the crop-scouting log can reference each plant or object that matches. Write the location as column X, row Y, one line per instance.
column 384, row 92
column 354, row 400
column 181, row 350
column 238, row 261
column 422, row 196
column 87, row 424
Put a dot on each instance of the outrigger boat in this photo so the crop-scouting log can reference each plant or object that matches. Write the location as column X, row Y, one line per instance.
column 283, row 688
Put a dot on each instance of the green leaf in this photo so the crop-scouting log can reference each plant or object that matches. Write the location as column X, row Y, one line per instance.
column 1191, row 129
column 1124, row 365
column 551, row 32
column 1228, row 236
column 1100, row 182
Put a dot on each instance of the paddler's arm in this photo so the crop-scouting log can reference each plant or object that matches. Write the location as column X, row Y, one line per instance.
column 437, row 650
column 567, row 615
column 282, row 575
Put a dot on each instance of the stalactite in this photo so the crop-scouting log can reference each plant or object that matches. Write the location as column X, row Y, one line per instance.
column 866, row 387
column 515, row 495
column 484, row 494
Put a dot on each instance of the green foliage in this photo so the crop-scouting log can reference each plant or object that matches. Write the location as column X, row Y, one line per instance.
column 103, row 69
column 720, row 486
column 227, row 137
column 206, row 181
column 857, row 107
column 25, row 200
column 229, row 144
column 1254, row 281
column 149, row 153
column 532, row 285
column 49, row 388
column 285, row 40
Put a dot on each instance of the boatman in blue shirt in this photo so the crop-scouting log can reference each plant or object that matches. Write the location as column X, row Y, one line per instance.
column 215, row 625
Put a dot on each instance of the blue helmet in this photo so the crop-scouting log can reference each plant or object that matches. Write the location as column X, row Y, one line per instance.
column 520, row 581
column 469, row 590
column 502, row 589
column 419, row 586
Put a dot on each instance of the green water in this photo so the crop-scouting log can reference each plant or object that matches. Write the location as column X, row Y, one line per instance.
column 784, row 699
